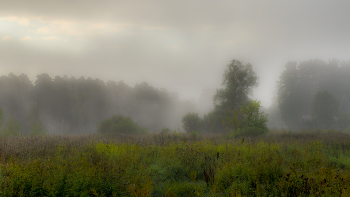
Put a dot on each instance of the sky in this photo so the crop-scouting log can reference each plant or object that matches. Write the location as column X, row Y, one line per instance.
column 183, row 45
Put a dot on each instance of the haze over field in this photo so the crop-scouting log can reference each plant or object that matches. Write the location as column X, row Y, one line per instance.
column 183, row 46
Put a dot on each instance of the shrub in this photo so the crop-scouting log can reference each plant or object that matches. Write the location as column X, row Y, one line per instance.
column 120, row 125
column 247, row 120
column 191, row 122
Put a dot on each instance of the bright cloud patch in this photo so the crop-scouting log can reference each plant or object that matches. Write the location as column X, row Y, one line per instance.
column 26, row 38
column 71, row 28
column 6, row 38
column 43, row 30
column 21, row 21
column 51, row 38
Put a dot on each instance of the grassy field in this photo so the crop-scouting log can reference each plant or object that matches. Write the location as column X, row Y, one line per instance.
column 280, row 163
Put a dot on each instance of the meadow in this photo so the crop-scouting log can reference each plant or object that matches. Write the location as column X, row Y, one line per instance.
column 279, row 163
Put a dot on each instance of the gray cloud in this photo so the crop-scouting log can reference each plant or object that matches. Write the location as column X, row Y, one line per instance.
column 180, row 45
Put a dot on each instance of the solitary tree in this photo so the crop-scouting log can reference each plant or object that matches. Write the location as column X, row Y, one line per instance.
column 238, row 82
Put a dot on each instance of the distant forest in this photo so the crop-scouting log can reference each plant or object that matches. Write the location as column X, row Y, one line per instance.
column 311, row 94
column 306, row 91
column 66, row 105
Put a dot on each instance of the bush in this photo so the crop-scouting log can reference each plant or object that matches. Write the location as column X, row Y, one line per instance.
column 247, row 120
column 191, row 122
column 120, row 125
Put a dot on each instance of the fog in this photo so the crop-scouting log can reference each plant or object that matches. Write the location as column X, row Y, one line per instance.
column 182, row 47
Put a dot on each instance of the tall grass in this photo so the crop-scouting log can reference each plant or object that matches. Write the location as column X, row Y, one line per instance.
column 280, row 163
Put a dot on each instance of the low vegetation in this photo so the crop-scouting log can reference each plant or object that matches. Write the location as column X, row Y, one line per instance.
column 247, row 120
column 120, row 125
column 279, row 163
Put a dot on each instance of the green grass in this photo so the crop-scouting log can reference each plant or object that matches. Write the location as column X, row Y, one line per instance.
column 280, row 163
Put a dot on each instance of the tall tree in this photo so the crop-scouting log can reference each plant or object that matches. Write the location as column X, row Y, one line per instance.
column 238, row 82
column 288, row 95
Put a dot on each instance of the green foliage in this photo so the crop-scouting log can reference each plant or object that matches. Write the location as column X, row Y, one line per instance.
column 238, row 81
column 212, row 122
column 324, row 109
column 120, row 125
column 88, row 172
column 248, row 120
column 279, row 164
column 11, row 127
column 209, row 167
column 192, row 122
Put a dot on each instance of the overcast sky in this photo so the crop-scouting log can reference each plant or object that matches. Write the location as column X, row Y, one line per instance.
column 183, row 45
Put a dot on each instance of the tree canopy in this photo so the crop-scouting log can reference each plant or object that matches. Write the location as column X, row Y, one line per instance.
column 238, row 82
column 299, row 83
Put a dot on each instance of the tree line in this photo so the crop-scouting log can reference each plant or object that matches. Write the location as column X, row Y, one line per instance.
column 311, row 94
column 69, row 105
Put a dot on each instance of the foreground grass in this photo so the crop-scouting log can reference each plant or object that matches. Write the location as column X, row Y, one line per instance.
column 311, row 163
